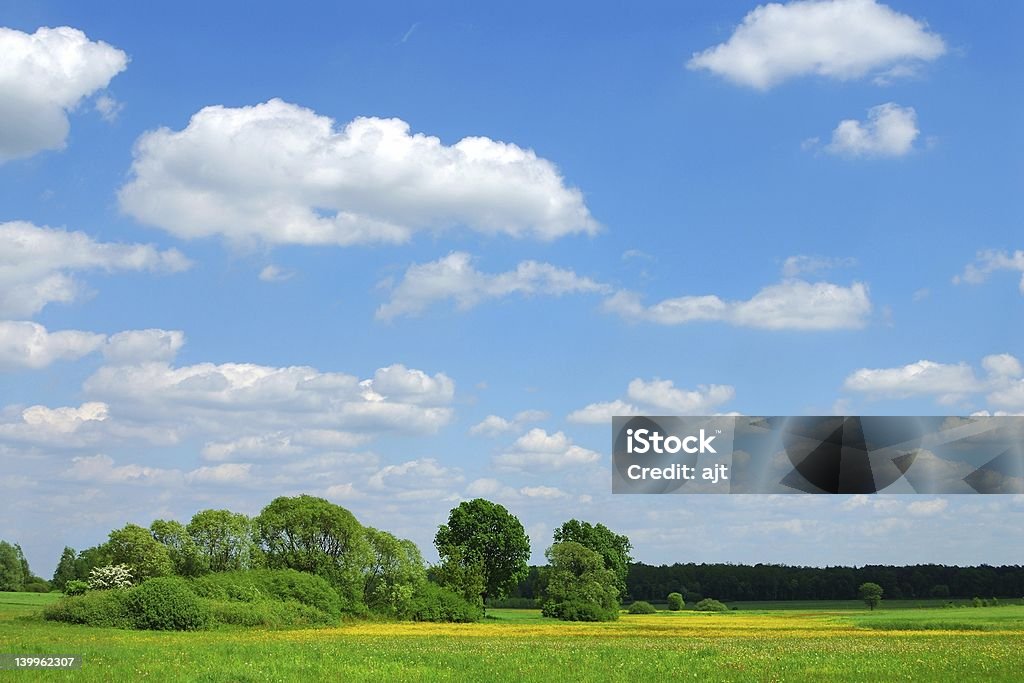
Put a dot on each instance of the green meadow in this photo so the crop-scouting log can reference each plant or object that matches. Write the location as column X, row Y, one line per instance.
column 905, row 643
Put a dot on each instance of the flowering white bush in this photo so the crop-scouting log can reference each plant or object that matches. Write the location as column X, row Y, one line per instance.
column 110, row 576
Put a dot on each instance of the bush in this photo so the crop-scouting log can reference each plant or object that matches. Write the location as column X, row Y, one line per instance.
column 642, row 607
column 268, row 613
column 257, row 585
column 75, row 587
column 36, row 585
column 710, row 605
column 434, row 603
column 166, row 604
column 675, row 601
column 110, row 576
column 100, row 608
column 579, row 610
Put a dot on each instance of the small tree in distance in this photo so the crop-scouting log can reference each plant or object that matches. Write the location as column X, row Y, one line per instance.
column 871, row 594
column 675, row 601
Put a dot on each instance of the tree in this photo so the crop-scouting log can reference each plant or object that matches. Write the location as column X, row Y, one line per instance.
column 184, row 553
column 12, row 572
column 65, row 569
column 675, row 601
column 313, row 535
column 89, row 559
column 613, row 548
column 488, row 540
column 871, row 594
column 395, row 572
column 223, row 539
column 579, row 586
column 135, row 547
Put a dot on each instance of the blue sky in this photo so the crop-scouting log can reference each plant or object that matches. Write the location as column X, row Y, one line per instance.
column 412, row 254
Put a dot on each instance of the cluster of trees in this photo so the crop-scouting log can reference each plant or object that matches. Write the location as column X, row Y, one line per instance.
column 15, row 574
column 369, row 568
column 776, row 582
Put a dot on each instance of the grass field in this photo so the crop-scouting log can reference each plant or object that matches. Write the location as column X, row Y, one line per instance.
column 793, row 645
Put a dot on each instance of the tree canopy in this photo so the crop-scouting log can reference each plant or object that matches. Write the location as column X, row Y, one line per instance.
column 482, row 543
column 612, row 547
column 579, row 586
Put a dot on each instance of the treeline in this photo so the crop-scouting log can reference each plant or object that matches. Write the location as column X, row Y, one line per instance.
column 734, row 582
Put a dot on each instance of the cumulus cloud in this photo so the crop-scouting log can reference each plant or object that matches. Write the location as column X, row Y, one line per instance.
column 890, row 131
column 424, row 479
column 75, row 427
column 43, row 76
column 927, row 508
column 991, row 261
column 102, row 469
column 789, row 305
column 656, row 397
column 539, row 450
column 26, row 344
column 495, row 425
column 454, row 277
column 137, row 346
column 36, row 264
column 1001, row 382
column 232, row 396
column 839, row 39
column 274, row 273
column 277, row 173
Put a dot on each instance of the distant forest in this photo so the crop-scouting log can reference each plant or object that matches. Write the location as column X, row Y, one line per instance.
column 734, row 582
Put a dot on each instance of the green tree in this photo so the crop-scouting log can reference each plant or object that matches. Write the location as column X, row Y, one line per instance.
column 65, row 569
column 612, row 547
column 871, row 594
column 223, row 538
column 12, row 571
column 395, row 573
column 313, row 535
column 675, row 601
column 135, row 547
column 579, row 586
column 483, row 540
column 183, row 551
column 89, row 559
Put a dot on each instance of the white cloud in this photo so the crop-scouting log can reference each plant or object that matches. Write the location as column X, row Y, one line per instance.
column 109, row 108
column 277, row 173
column 69, row 427
column 539, row 450
column 26, row 344
column 137, row 346
column 272, row 273
column 990, row 261
column 282, row 444
column 656, row 397
column 949, row 383
column 801, row 264
column 454, row 277
column 840, row 39
column 43, row 76
column 492, row 425
column 663, row 395
column 228, row 473
column 927, row 508
column 543, row 492
column 890, row 131
column 789, row 305
column 233, row 397
column 495, row 425
column 424, row 479
column 922, row 377
column 36, row 262
column 101, row 468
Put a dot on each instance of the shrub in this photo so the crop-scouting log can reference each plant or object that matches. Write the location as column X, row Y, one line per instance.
column 36, row 585
column 99, row 608
column 710, row 605
column 580, row 610
column 166, row 604
column 256, row 585
column 268, row 613
column 977, row 602
column 110, row 576
column 434, row 603
column 642, row 607
column 75, row 587
column 675, row 601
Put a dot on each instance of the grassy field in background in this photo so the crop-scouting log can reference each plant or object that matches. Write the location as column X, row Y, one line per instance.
column 762, row 645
